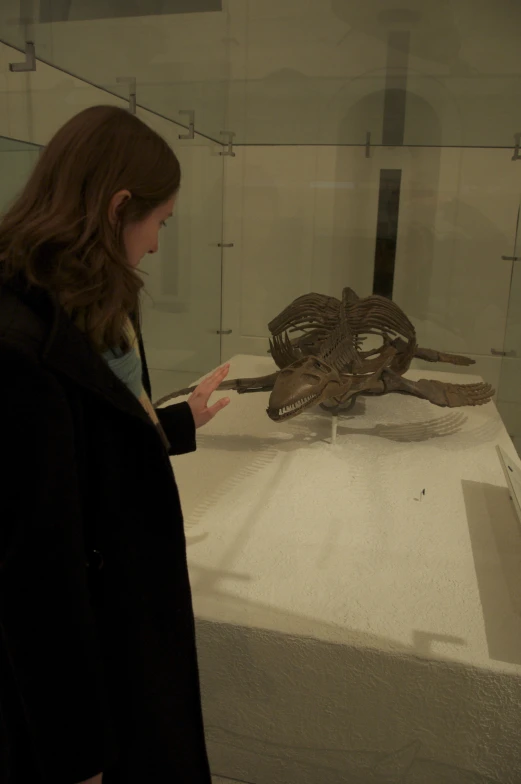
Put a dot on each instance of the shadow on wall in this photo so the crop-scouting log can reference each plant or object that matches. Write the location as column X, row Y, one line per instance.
column 496, row 545
column 436, row 38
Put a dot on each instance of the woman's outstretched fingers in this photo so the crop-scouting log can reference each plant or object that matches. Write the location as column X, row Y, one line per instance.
column 198, row 401
column 211, row 382
column 219, row 375
column 225, row 401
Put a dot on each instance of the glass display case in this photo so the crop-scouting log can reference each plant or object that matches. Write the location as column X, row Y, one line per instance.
column 89, row 53
column 509, row 389
column 16, row 162
column 367, row 142
column 324, row 144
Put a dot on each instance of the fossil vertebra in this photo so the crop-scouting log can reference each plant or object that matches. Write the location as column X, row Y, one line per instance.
column 326, row 363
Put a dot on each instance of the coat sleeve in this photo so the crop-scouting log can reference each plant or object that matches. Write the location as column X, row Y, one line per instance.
column 178, row 423
column 176, row 420
column 51, row 660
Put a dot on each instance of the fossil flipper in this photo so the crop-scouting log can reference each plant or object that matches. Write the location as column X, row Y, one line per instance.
column 430, row 355
column 440, row 393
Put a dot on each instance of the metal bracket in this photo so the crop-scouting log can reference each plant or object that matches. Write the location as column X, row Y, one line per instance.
column 30, row 60
column 368, row 144
column 510, row 258
column 191, row 124
column 334, row 428
column 225, row 245
column 224, row 332
column 497, row 353
column 516, row 156
column 132, row 99
column 229, row 137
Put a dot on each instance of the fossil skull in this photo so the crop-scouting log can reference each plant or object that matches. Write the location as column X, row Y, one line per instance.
column 302, row 385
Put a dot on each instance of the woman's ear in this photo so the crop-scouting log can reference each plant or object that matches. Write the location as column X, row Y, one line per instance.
column 116, row 203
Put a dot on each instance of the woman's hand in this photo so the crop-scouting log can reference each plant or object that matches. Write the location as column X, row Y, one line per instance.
column 198, row 400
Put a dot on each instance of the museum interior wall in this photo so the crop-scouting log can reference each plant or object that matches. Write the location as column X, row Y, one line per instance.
column 303, row 87
column 372, row 147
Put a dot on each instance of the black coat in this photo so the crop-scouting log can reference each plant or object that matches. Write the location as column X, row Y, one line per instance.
column 98, row 668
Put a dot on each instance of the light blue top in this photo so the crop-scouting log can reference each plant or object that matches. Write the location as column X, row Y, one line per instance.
column 127, row 367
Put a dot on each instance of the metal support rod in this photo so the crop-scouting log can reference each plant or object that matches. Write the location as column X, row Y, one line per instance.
column 496, row 353
column 368, row 144
column 229, row 136
column 334, row 428
column 517, row 156
column 30, row 60
column 225, row 245
column 191, row 124
column 132, row 91
column 224, row 331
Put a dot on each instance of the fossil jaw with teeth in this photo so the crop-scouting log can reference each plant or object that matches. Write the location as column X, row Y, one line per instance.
column 302, row 385
column 292, row 409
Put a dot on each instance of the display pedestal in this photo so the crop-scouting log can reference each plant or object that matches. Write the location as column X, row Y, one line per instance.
column 358, row 604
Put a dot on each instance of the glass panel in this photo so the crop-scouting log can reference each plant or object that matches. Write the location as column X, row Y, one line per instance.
column 19, row 23
column 14, row 145
column 457, row 218
column 288, row 108
column 509, row 393
column 315, row 71
column 179, row 60
column 13, row 25
column 182, row 305
column 311, row 218
column 16, row 163
column 182, row 315
column 294, row 72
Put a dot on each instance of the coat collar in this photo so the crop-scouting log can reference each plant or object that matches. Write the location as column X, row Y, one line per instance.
column 64, row 349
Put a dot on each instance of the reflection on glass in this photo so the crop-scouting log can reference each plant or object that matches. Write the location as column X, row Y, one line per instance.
column 317, row 73
column 176, row 51
column 387, row 232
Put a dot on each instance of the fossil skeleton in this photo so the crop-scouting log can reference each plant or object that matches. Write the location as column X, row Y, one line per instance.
column 326, row 365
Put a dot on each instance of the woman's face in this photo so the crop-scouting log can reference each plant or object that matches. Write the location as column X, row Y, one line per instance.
column 143, row 237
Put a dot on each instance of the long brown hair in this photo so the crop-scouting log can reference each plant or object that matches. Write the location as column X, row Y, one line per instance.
column 58, row 234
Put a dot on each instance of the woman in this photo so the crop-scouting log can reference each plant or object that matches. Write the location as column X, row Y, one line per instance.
column 98, row 670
